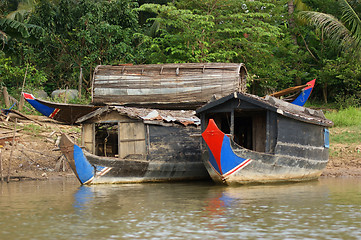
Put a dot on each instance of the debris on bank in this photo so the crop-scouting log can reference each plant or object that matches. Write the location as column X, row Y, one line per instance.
column 29, row 147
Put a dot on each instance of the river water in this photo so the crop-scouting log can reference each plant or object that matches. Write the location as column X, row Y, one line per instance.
column 61, row 209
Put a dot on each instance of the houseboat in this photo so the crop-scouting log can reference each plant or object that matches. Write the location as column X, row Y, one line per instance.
column 249, row 139
column 133, row 145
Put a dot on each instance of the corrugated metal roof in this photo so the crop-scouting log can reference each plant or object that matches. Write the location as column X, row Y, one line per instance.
column 146, row 114
column 277, row 105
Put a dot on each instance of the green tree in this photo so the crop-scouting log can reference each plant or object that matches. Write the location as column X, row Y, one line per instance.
column 252, row 32
column 343, row 32
column 83, row 34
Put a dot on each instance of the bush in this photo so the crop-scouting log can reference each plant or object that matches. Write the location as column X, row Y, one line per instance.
column 12, row 77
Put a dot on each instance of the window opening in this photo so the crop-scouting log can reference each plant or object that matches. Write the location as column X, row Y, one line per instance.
column 249, row 128
column 243, row 131
column 106, row 139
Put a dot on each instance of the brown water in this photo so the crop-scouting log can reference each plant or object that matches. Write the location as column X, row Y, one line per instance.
column 324, row 209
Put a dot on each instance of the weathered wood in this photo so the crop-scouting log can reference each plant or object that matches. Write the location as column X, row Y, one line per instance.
column 1, row 167
column 60, row 164
column 288, row 91
column 6, row 97
column 8, row 136
column 131, row 138
column 12, row 150
column 273, row 140
column 24, row 116
column 88, row 137
column 171, row 86
column 21, row 102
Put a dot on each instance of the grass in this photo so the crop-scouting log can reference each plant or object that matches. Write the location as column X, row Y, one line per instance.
column 348, row 117
column 346, row 135
column 32, row 128
column 347, row 125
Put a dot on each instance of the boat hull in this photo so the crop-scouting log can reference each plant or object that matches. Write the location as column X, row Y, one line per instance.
column 230, row 163
column 92, row 169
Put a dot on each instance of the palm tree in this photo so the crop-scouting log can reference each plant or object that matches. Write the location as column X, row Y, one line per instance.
column 344, row 33
column 13, row 23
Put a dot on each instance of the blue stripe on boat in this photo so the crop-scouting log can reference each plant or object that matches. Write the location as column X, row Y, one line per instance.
column 229, row 160
column 43, row 109
column 302, row 98
column 84, row 169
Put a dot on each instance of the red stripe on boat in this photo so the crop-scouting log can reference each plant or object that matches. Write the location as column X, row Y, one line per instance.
column 28, row 96
column 214, row 139
column 54, row 113
column 242, row 165
column 310, row 84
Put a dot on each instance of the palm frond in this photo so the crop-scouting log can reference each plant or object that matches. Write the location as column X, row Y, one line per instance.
column 14, row 27
column 332, row 27
column 352, row 20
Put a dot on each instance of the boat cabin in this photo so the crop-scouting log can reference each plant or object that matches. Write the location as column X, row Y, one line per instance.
column 268, row 125
column 125, row 132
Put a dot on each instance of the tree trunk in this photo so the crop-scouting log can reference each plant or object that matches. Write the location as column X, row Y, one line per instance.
column 80, row 82
column 324, row 91
column 291, row 9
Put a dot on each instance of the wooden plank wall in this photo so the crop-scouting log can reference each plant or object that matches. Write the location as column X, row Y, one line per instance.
column 131, row 138
column 192, row 85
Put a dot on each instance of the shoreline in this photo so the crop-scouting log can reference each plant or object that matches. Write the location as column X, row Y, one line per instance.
column 36, row 155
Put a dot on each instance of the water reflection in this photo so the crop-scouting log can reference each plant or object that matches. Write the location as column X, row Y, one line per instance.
column 82, row 198
column 325, row 209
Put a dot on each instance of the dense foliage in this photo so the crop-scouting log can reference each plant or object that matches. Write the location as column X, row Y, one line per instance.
column 52, row 40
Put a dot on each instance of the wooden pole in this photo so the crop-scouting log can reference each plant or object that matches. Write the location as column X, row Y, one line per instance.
column 1, row 167
column 12, row 150
column 21, row 102
column 22, row 99
column 6, row 97
column 80, row 82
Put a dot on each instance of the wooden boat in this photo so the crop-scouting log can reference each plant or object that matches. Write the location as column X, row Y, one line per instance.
column 303, row 92
column 131, row 145
column 248, row 139
column 62, row 112
column 167, row 86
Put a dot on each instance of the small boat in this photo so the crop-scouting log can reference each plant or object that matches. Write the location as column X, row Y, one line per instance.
column 303, row 92
column 249, row 139
column 132, row 145
column 62, row 112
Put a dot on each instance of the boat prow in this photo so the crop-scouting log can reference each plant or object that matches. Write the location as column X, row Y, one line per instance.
column 62, row 112
column 222, row 158
column 83, row 170
column 305, row 94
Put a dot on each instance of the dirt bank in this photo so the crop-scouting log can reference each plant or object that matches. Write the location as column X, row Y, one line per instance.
column 36, row 154
column 345, row 160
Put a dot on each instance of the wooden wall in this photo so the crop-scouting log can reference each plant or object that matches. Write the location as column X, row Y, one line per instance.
column 131, row 134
